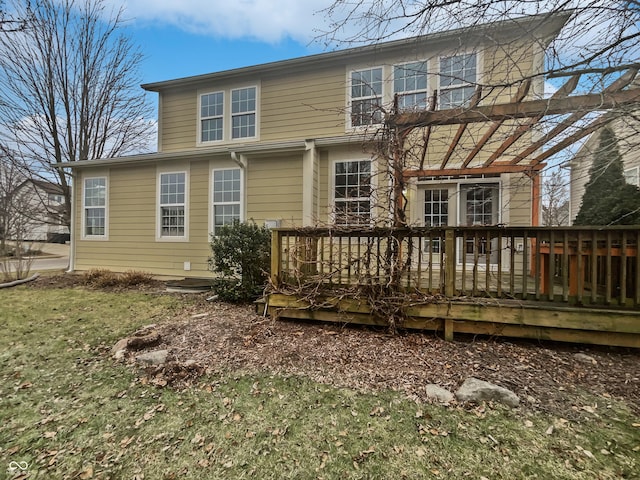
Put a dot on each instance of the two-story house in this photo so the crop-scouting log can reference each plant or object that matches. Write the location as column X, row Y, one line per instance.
column 286, row 144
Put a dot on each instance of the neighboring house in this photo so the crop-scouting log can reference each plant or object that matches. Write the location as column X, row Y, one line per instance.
column 627, row 130
column 34, row 211
column 284, row 144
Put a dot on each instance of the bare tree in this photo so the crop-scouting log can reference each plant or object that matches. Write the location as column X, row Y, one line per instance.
column 600, row 35
column 17, row 212
column 68, row 87
column 555, row 199
column 9, row 23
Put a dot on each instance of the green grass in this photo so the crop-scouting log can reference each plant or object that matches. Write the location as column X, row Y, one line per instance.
column 70, row 411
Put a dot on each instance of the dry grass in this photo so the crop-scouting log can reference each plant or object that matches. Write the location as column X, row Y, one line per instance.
column 103, row 278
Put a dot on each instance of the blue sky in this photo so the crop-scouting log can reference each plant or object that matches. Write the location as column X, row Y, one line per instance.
column 173, row 53
column 192, row 37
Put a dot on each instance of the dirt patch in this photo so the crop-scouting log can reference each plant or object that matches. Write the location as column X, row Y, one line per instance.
column 214, row 336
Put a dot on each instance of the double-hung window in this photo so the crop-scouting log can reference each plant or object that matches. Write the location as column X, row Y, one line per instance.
column 410, row 85
column 352, row 192
column 227, row 194
column 457, row 79
column 366, row 97
column 243, row 112
column 632, row 176
column 95, row 207
column 436, row 214
column 436, row 207
column 172, row 204
column 211, row 117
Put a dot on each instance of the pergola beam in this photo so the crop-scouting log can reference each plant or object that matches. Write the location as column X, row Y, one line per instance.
column 492, row 170
column 566, row 89
column 619, row 84
column 519, row 97
column 528, row 109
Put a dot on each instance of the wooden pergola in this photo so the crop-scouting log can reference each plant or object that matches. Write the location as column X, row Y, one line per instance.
column 530, row 159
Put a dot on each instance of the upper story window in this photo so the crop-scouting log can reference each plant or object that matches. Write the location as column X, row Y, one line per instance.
column 352, row 192
column 632, row 176
column 172, row 204
column 457, row 79
column 366, row 97
column 226, row 197
column 211, row 116
column 243, row 112
column 95, row 207
column 55, row 198
column 410, row 85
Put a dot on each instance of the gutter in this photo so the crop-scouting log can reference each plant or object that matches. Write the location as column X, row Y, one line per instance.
column 256, row 148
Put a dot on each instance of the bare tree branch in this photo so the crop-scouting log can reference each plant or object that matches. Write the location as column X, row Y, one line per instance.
column 69, row 88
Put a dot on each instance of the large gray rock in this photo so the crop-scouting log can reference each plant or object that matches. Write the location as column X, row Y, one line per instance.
column 158, row 357
column 475, row 390
column 438, row 394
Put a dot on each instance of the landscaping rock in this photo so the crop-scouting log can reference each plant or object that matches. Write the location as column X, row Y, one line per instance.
column 158, row 357
column 475, row 390
column 439, row 394
column 120, row 345
column 584, row 358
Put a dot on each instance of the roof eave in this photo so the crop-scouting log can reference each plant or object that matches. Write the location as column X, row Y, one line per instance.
column 550, row 23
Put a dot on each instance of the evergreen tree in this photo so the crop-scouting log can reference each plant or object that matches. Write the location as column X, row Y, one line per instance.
column 608, row 199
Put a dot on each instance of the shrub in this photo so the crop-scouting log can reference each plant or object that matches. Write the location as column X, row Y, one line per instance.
column 241, row 256
column 131, row 278
column 101, row 278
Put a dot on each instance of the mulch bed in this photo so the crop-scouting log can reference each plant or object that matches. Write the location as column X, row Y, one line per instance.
column 548, row 376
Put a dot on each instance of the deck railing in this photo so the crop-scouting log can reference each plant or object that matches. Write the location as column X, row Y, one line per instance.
column 578, row 266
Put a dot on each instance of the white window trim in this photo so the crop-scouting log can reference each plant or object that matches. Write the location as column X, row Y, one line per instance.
column 231, row 115
column 104, row 237
column 159, row 236
column 201, row 118
column 428, row 91
column 383, row 96
column 332, row 191
column 437, row 71
column 212, row 204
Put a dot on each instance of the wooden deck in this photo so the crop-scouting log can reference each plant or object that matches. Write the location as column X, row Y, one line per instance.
column 540, row 283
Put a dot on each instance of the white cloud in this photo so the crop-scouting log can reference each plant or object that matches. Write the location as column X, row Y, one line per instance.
column 264, row 20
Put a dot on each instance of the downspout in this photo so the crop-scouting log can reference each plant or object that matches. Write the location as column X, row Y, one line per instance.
column 240, row 160
column 72, row 227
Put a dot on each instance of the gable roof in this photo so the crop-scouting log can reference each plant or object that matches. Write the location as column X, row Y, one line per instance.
column 542, row 27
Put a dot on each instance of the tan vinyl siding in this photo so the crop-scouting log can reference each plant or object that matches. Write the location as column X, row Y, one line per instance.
column 274, row 189
column 132, row 217
column 307, row 105
column 179, row 119
column 518, row 202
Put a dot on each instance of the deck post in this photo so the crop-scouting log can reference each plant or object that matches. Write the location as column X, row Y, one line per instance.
column 448, row 329
column 450, row 262
column 276, row 263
